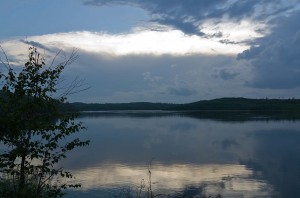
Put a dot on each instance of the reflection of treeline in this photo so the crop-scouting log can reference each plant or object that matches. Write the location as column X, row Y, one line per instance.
column 118, row 106
column 215, row 104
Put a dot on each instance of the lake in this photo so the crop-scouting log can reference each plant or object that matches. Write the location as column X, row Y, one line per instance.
column 232, row 154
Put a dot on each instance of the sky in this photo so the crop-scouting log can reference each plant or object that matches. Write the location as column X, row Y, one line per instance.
column 174, row 51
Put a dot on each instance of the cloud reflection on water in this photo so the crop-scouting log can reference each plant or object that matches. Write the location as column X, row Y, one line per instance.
column 227, row 179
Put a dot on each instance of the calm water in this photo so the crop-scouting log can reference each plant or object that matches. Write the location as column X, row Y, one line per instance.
column 235, row 156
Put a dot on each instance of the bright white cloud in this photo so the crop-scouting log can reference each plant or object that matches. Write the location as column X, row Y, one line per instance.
column 170, row 42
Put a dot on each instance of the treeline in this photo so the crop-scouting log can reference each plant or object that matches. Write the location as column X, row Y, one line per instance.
column 233, row 104
column 228, row 104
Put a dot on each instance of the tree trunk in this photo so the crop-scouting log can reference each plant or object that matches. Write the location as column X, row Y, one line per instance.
column 23, row 160
column 22, row 174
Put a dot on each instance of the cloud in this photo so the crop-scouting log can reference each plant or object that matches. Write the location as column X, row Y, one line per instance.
column 36, row 44
column 187, row 15
column 152, row 78
column 149, row 77
column 166, row 65
column 182, row 91
column 116, row 77
column 171, row 42
column 225, row 74
column 276, row 61
column 178, row 14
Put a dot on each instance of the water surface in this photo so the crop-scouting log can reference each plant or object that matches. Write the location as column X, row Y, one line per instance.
column 187, row 154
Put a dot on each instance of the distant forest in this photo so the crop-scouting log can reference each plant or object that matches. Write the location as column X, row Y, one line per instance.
column 224, row 104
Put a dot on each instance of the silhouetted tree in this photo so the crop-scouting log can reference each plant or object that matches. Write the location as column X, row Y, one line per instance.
column 35, row 133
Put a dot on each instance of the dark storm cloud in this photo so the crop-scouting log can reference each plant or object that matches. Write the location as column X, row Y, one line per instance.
column 225, row 74
column 187, row 27
column 276, row 61
column 188, row 14
column 145, row 77
column 182, row 15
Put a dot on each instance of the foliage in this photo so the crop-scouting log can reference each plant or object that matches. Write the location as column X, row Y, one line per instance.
column 35, row 133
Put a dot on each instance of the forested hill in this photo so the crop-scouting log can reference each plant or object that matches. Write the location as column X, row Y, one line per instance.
column 243, row 104
column 215, row 104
